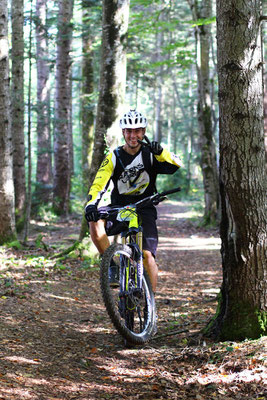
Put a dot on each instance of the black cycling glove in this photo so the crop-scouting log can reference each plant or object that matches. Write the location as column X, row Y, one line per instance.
column 91, row 213
column 154, row 147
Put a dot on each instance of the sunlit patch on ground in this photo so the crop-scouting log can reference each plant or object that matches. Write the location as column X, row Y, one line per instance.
column 57, row 342
column 191, row 243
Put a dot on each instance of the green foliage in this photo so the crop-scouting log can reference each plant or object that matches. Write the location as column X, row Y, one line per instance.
column 47, row 214
column 167, row 182
column 15, row 244
column 144, row 2
column 203, row 21
column 20, row 222
column 77, row 195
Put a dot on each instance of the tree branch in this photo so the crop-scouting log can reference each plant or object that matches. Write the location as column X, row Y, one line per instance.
column 170, row 334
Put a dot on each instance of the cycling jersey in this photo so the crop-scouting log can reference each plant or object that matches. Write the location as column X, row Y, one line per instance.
column 132, row 175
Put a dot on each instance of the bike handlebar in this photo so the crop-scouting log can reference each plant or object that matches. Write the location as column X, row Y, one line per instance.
column 154, row 199
column 178, row 189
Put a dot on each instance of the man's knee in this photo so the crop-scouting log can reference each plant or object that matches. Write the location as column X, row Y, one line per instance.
column 99, row 236
column 148, row 255
column 149, row 258
column 97, row 229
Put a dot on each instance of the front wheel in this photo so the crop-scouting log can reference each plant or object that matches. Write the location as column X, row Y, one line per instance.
column 132, row 311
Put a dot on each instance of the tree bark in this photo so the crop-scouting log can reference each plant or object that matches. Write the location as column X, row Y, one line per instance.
column 112, row 73
column 206, row 136
column 159, row 85
column 29, row 137
column 242, row 311
column 112, row 78
column 44, row 176
column 189, row 123
column 17, row 109
column 62, row 159
column 112, row 82
column 7, row 211
column 265, row 118
column 88, row 112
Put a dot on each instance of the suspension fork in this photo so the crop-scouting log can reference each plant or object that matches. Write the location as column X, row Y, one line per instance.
column 137, row 257
column 140, row 265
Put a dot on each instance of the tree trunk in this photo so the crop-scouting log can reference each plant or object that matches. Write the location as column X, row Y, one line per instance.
column 242, row 311
column 206, row 136
column 87, row 92
column 17, row 109
column 112, row 82
column 62, row 167
column 7, row 212
column 158, row 109
column 29, row 139
column 112, row 78
column 159, row 84
column 265, row 118
column 44, row 159
column 188, row 121
column 112, row 74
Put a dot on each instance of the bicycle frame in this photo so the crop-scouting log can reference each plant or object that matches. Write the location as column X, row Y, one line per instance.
column 132, row 236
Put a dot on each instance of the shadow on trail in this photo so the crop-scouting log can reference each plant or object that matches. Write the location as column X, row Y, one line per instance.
column 57, row 343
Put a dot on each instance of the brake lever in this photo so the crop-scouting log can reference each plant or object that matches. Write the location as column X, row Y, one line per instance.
column 159, row 199
column 103, row 215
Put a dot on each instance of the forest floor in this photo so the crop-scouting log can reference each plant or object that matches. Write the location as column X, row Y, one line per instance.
column 56, row 340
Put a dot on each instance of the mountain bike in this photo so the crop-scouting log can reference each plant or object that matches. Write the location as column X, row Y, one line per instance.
column 131, row 306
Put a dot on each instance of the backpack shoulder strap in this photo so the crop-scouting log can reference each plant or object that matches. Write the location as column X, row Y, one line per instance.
column 147, row 158
column 117, row 153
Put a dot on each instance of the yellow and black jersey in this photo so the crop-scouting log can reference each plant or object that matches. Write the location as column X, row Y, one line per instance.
column 133, row 176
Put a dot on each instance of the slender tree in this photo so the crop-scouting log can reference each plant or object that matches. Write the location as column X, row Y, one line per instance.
column 44, row 159
column 88, row 112
column 62, row 165
column 265, row 117
column 7, row 214
column 29, row 136
column 112, row 81
column 17, row 109
column 159, row 83
column 203, row 10
column 112, row 74
column 242, row 311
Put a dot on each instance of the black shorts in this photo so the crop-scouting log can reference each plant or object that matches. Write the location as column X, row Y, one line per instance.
column 150, row 231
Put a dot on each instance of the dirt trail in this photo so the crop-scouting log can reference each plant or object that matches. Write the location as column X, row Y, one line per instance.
column 56, row 341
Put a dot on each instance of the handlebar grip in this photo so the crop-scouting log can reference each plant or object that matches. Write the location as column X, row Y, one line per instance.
column 170, row 191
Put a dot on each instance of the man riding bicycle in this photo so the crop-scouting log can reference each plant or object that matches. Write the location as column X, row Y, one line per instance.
column 133, row 169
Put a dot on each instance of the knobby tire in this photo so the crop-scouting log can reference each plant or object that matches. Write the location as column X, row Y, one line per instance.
column 124, row 324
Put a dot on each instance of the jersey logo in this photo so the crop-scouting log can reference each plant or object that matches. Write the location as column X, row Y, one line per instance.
column 131, row 174
column 104, row 162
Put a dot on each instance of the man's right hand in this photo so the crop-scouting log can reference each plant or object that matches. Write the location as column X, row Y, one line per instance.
column 91, row 213
column 154, row 147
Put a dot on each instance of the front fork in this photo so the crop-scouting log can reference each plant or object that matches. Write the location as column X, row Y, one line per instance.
column 137, row 260
column 131, row 268
column 140, row 265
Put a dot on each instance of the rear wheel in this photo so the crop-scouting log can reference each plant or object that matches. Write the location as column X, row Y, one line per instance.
column 132, row 311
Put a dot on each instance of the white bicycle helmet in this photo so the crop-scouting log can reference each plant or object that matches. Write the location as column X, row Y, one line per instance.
column 133, row 119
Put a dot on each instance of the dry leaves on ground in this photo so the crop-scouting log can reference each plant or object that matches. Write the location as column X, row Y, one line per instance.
column 57, row 341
